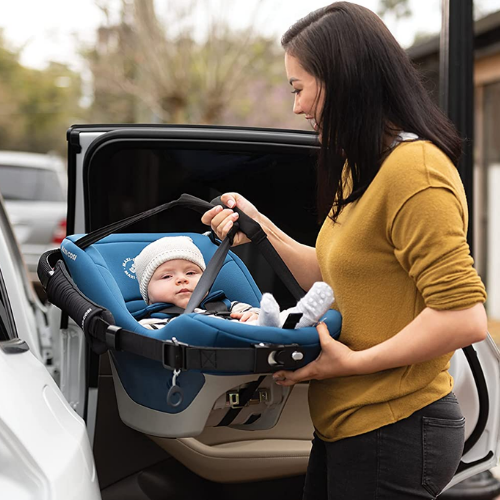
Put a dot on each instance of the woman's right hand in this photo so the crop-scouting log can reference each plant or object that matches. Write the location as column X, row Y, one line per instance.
column 222, row 220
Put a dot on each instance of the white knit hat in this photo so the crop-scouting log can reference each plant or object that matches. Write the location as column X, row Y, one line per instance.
column 163, row 250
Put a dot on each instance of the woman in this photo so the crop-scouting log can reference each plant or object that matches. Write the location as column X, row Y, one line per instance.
column 393, row 248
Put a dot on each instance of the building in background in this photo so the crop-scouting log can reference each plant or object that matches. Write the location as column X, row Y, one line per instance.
column 486, row 144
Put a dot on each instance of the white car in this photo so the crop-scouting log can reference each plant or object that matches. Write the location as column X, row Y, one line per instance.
column 34, row 188
column 44, row 447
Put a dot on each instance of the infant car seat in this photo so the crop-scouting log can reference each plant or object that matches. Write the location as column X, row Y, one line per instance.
column 197, row 370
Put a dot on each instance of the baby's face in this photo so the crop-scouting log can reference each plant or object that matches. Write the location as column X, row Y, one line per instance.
column 174, row 282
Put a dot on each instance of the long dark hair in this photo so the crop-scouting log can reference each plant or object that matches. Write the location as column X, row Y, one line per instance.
column 371, row 90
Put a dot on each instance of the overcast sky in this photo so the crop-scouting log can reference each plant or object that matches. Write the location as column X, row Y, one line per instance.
column 48, row 29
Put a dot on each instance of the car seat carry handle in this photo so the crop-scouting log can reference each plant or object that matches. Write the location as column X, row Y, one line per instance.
column 185, row 200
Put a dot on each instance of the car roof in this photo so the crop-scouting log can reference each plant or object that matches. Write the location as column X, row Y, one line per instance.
column 31, row 160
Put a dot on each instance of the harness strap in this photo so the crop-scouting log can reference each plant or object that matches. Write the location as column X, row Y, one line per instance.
column 208, row 277
column 214, row 307
column 173, row 310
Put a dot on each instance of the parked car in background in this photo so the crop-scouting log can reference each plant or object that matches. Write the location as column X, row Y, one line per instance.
column 33, row 186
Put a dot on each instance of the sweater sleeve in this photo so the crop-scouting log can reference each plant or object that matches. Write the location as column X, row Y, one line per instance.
column 240, row 307
column 429, row 237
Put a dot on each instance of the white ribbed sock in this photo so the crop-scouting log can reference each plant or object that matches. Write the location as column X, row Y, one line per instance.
column 313, row 305
column 269, row 311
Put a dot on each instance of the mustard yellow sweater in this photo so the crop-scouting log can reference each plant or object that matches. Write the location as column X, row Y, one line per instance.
column 398, row 249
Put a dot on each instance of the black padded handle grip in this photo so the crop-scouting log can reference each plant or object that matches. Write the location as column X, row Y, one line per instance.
column 91, row 318
column 45, row 267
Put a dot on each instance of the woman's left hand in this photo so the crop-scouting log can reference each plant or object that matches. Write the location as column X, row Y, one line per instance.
column 334, row 360
column 431, row 334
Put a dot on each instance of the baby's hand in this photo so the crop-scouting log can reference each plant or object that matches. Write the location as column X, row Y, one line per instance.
column 245, row 316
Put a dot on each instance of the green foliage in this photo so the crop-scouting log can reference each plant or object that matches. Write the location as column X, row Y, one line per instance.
column 36, row 106
column 147, row 69
column 398, row 8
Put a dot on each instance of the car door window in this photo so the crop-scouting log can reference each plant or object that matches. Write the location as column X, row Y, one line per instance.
column 30, row 184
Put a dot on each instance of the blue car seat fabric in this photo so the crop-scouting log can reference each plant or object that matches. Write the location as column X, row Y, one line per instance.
column 105, row 273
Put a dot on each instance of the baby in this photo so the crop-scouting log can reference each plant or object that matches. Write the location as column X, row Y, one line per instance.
column 169, row 269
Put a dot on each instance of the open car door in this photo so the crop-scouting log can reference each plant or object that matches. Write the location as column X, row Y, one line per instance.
column 118, row 171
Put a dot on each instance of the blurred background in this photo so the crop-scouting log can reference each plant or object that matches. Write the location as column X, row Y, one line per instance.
column 160, row 61
column 202, row 62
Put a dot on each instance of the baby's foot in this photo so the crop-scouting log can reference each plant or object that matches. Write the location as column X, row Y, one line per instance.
column 314, row 304
column 269, row 311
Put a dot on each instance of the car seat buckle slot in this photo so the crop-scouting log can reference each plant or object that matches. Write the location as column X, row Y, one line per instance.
column 259, row 396
column 233, row 399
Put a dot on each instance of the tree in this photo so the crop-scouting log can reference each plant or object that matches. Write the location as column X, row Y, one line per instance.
column 36, row 107
column 175, row 69
column 399, row 8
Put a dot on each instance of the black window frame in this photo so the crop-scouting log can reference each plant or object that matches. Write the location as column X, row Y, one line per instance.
column 8, row 330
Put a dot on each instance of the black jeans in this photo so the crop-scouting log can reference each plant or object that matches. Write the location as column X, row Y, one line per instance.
column 413, row 458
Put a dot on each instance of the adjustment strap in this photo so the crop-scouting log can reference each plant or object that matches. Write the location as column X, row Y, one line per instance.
column 272, row 256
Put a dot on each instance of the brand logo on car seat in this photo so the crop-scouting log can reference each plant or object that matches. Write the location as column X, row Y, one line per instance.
column 68, row 254
column 129, row 267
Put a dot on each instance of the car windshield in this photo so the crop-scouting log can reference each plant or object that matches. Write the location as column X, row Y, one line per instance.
column 30, row 184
